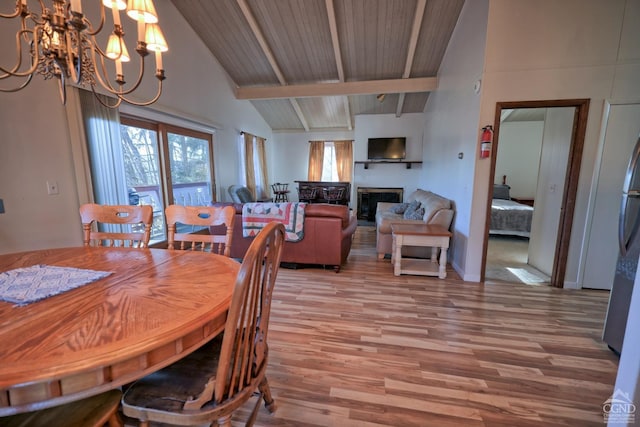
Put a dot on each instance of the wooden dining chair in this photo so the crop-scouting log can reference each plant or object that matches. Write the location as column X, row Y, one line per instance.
column 333, row 194
column 181, row 217
column 93, row 411
column 280, row 192
column 124, row 219
column 215, row 380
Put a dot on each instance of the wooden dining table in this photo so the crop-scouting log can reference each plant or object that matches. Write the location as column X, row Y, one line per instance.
column 156, row 307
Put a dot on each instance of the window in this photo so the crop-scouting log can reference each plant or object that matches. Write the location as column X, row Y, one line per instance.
column 329, row 163
column 166, row 165
column 330, row 160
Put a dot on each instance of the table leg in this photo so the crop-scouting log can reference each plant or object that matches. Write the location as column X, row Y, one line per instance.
column 434, row 254
column 393, row 248
column 397, row 255
column 442, row 270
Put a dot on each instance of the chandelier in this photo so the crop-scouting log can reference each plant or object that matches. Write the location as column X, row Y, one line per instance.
column 60, row 43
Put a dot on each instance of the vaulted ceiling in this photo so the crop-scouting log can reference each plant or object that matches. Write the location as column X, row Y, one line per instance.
column 310, row 65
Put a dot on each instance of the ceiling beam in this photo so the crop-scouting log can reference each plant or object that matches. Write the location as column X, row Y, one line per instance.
column 300, row 114
column 253, row 25
column 411, row 52
column 369, row 87
column 335, row 41
column 262, row 41
column 400, row 104
column 333, row 28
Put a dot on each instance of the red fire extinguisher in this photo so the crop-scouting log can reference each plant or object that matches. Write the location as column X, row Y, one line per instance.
column 485, row 141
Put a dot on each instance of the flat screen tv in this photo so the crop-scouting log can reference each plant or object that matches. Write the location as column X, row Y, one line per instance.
column 387, row 148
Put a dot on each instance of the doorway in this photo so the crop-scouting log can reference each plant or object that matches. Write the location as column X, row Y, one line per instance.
column 551, row 242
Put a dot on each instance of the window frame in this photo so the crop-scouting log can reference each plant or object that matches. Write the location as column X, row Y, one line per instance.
column 164, row 168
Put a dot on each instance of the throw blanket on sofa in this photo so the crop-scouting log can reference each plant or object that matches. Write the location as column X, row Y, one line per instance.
column 256, row 215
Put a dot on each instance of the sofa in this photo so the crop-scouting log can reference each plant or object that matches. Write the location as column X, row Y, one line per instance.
column 328, row 234
column 421, row 207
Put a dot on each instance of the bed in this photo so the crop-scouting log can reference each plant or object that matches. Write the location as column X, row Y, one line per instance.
column 509, row 217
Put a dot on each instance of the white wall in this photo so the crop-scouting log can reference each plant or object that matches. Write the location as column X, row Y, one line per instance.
column 35, row 138
column 555, row 50
column 452, row 127
column 291, row 153
column 290, row 160
column 518, row 157
column 389, row 174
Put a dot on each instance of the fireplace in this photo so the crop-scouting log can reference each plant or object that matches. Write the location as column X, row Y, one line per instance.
column 368, row 198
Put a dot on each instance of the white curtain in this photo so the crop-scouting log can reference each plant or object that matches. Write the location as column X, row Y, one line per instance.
column 102, row 129
column 254, row 165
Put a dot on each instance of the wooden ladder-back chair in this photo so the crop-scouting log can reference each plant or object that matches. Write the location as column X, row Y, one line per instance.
column 280, row 192
column 333, row 194
column 215, row 380
column 92, row 215
column 200, row 216
column 93, row 411
column 307, row 194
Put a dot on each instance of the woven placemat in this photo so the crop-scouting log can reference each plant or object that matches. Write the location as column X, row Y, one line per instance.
column 29, row 284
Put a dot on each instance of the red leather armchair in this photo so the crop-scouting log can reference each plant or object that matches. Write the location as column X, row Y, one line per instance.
column 328, row 233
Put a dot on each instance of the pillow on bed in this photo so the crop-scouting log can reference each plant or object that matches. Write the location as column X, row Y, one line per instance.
column 501, row 191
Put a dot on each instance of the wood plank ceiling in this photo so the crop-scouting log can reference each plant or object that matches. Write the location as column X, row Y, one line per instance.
column 309, row 65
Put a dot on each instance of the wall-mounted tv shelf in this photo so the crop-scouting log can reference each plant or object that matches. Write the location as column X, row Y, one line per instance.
column 407, row 163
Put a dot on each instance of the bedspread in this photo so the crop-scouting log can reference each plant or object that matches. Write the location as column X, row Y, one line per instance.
column 510, row 217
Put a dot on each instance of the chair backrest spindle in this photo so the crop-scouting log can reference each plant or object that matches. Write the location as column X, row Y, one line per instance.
column 200, row 216
column 94, row 217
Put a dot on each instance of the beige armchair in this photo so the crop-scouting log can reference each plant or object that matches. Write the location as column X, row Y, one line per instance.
column 437, row 210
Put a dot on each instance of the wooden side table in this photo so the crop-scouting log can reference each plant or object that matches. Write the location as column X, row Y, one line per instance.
column 435, row 236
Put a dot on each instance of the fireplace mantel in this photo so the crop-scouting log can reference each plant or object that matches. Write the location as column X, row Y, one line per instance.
column 407, row 163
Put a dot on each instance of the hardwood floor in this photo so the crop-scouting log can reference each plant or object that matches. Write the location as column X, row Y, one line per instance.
column 366, row 348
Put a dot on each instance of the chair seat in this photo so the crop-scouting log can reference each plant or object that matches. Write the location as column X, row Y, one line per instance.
column 168, row 389
column 92, row 411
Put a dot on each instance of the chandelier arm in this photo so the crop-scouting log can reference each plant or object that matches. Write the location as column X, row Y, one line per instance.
column 17, row 12
column 117, row 103
column 22, row 86
column 89, row 26
column 105, row 84
column 62, row 87
column 34, row 63
column 122, row 92
column 75, row 70
column 144, row 103
column 44, row 17
column 95, row 46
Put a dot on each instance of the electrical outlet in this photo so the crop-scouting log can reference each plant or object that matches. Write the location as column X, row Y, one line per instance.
column 52, row 188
